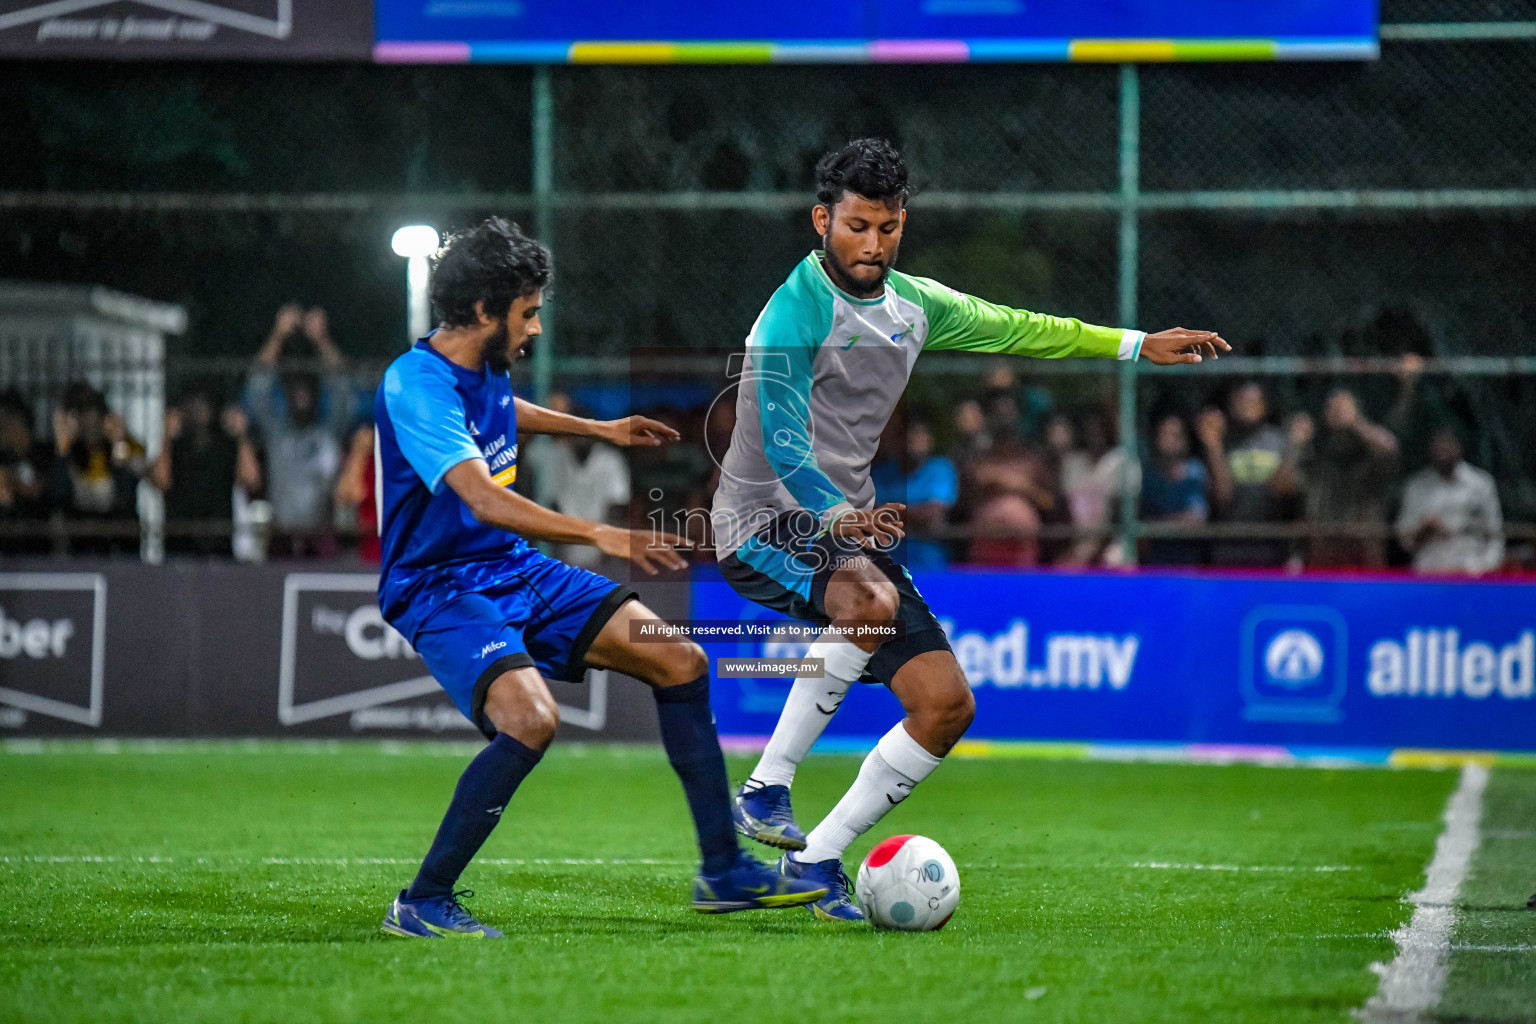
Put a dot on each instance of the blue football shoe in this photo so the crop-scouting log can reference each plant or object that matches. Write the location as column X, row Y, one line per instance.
column 837, row 904
column 763, row 813
column 439, row 918
column 750, row 884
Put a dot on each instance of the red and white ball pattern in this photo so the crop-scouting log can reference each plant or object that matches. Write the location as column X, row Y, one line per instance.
column 908, row 883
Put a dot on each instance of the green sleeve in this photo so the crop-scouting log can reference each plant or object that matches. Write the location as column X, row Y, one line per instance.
column 968, row 324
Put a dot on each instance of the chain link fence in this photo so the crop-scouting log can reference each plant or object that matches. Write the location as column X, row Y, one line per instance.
column 1308, row 211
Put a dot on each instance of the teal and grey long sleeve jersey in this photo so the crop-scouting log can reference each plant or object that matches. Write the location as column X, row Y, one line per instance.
column 824, row 371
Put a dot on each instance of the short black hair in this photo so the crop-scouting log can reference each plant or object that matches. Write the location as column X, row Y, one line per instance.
column 80, row 397
column 870, row 168
column 208, row 390
column 12, row 400
column 492, row 263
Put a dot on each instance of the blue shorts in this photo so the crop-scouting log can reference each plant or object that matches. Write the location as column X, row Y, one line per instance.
column 544, row 614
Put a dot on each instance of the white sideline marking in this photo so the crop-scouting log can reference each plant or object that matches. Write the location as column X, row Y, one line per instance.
column 1411, row 983
column 1166, row 866
column 342, row 862
column 621, row 862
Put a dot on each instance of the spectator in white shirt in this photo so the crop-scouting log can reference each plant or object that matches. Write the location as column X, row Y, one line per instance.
column 579, row 477
column 1450, row 518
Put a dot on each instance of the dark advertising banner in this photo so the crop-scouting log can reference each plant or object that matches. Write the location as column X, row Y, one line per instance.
column 234, row 650
column 197, row 29
column 1355, row 667
column 52, row 646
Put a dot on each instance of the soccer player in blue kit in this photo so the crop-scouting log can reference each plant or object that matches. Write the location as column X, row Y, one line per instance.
column 490, row 615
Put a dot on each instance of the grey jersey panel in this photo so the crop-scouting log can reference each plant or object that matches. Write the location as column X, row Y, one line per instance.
column 862, row 355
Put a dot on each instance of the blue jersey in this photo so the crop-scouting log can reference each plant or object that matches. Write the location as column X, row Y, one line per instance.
column 432, row 414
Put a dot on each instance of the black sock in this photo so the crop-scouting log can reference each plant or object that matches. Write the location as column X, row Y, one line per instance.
column 688, row 733
column 482, row 794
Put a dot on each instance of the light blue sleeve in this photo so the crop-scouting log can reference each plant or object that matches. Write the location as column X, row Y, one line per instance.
column 784, row 343
column 428, row 418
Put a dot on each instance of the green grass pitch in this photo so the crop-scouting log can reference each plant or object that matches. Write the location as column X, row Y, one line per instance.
column 245, row 882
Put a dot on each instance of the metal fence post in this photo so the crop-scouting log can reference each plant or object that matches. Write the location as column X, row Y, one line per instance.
column 544, row 219
column 1130, row 188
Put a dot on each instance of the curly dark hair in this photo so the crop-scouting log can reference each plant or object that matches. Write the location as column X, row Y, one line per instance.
column 493, row 263
column 866, row 167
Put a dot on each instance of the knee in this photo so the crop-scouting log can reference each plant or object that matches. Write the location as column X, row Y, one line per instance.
column 947, row 715
column 679, row 663
column 531, row 721
column 963, row 711
column 542, row 720
column 874, row 601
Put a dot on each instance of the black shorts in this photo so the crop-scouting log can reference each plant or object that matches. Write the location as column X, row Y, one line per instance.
column 787, row 564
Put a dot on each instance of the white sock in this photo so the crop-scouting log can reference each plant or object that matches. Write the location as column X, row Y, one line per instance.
column 811, row 704
column 897, row 764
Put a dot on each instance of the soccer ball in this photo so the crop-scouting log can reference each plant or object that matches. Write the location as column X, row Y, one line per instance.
column 908, row 883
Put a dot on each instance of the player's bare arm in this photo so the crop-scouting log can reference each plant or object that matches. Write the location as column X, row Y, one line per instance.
column 626, row 432
column 501, row 507
column 1167, row 348
column 880, row 525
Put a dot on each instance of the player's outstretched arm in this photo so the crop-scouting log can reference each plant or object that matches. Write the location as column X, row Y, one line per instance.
column 965, row 323
column 497, row 506
column 1166, row 348
column 630, row 431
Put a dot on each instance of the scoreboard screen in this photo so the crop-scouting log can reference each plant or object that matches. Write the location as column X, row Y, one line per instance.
column 864, row 31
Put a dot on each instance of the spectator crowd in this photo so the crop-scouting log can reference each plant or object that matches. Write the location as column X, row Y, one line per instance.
column 1003, row 478
column 284, row 468
column 1232, row 485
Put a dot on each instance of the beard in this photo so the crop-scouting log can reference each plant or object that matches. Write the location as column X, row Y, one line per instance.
column 495, row 350
column 843, row 273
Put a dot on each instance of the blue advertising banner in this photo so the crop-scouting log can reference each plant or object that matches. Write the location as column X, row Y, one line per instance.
column 1187, row 659
column 913, row 31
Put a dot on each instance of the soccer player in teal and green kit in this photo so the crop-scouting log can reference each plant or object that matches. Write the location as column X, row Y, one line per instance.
column 493, row 618
column 795, row 522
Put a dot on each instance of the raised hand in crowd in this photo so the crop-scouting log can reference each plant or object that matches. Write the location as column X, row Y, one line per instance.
column 1410, row 368
column 1211, row 429
column 1301, row 430
column 1342, row 413
column 66, row 429
column 160, row 469
column 284, row 326
column 123, row 447
column 317, row 328
column 236, row 424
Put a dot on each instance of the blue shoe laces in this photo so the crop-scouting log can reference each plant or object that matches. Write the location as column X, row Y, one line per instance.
column 455, row 914
column 836, row 879
column 838, row 885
